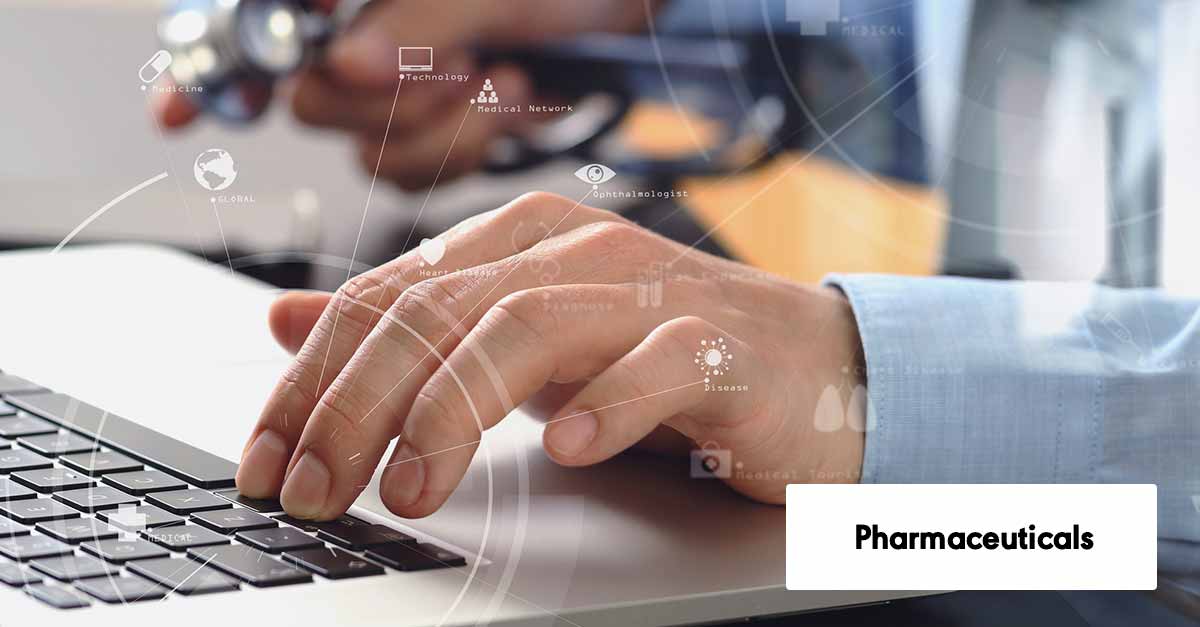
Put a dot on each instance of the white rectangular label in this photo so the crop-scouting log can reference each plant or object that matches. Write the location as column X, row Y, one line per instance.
column 903, row 537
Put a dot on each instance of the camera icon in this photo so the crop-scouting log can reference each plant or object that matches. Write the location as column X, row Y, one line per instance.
column 711, row 462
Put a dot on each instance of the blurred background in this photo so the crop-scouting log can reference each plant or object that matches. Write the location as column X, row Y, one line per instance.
column 1012, row 173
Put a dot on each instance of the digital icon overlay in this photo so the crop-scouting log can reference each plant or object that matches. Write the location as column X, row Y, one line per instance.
column 713, row 358
column 595, row 173
column 432, row 250
column 152, row 69
column 214, row 169
column 416, row 59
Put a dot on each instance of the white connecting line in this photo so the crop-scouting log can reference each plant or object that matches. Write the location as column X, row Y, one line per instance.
column 362, row 223
column 437, row 177
column 788, row 170
column 472, row 309
column 109, row 205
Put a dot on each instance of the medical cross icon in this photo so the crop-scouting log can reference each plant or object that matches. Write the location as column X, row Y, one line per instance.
column 814, row 16
column 129, row 520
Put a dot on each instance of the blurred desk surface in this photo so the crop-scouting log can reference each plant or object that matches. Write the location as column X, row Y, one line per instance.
column 804, row 217
column 801, row 216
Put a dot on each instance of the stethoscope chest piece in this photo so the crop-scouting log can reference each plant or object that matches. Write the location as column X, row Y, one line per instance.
column 228, row 54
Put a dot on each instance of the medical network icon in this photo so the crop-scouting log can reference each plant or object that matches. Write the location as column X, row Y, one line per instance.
column 814, row 16
column 488, row 94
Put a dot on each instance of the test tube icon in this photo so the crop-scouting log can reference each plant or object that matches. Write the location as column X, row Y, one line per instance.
column 155, row 67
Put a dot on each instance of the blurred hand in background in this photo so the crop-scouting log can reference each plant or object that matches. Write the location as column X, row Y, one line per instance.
column 353, row 88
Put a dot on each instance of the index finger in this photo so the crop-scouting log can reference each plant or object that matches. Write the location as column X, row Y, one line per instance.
column 354, row 311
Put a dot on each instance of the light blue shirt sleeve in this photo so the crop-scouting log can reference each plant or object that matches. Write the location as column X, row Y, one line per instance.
column 973, row 381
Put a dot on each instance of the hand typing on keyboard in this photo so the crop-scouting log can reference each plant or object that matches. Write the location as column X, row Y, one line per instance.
column 564, row 305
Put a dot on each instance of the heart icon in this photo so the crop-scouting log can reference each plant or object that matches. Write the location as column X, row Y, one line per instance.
column 432, row 250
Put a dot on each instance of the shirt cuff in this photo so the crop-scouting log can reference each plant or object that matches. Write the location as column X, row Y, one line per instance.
column 959, row 393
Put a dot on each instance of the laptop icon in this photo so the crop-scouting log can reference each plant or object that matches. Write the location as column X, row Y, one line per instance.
column 416, row 59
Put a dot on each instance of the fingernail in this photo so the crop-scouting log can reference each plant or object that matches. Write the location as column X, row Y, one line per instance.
column 572, row 435
column 263, row 465
column 307, row 488
column 405, row 479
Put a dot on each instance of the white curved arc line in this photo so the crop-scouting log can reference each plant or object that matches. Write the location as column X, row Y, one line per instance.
column 112, row 203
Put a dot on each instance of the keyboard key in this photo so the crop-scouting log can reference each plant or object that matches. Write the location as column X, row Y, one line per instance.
column 122, row 589
column 262, row 506
column 121, row 550
column 359, row 537
column 144, row 482
column 138, row 518
column 25, row 548
column 278, row 540
column 21, row 459
column 184, row 576
column 23, row 424
column 98, row 463
column 7, row 410
column 233, row 520
column 77, row 530
column 250, row 565
column 10, row 384
column 13, row 575
column 96, row 499
column 408, row 557
column 196, row 466
column 11, row 529
column 184, row 537
column 54, row 444
column 56, row 596
column 188, row 501
column 332, row 563
column 313, row 526
column 10, row 491
column 51, row 479
column 310, row 526
column 32, row 511
column 69, row 568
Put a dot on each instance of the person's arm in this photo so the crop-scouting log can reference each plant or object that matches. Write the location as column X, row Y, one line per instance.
column 1018, row 382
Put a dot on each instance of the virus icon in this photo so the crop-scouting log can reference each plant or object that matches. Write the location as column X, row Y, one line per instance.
column 713, row 358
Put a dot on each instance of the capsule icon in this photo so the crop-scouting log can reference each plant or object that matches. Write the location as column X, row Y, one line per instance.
column 155, row 66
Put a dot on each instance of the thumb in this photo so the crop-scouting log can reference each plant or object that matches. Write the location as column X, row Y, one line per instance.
column 293, row 315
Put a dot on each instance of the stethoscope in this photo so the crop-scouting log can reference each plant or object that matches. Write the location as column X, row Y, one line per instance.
column 228, row 55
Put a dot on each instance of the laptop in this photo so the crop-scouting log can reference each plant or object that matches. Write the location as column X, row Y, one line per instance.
column 131, row 377
column 416, row 59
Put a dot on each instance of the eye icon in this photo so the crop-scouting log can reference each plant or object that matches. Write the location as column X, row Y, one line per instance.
column 595, row 173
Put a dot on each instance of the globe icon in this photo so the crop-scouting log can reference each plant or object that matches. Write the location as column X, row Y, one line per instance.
column 214, row 169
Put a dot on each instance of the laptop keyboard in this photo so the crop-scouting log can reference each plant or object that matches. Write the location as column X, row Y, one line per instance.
column 97, row 508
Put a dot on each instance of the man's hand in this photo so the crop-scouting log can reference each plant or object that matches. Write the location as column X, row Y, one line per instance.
column 353, row 89
column 550, row 311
